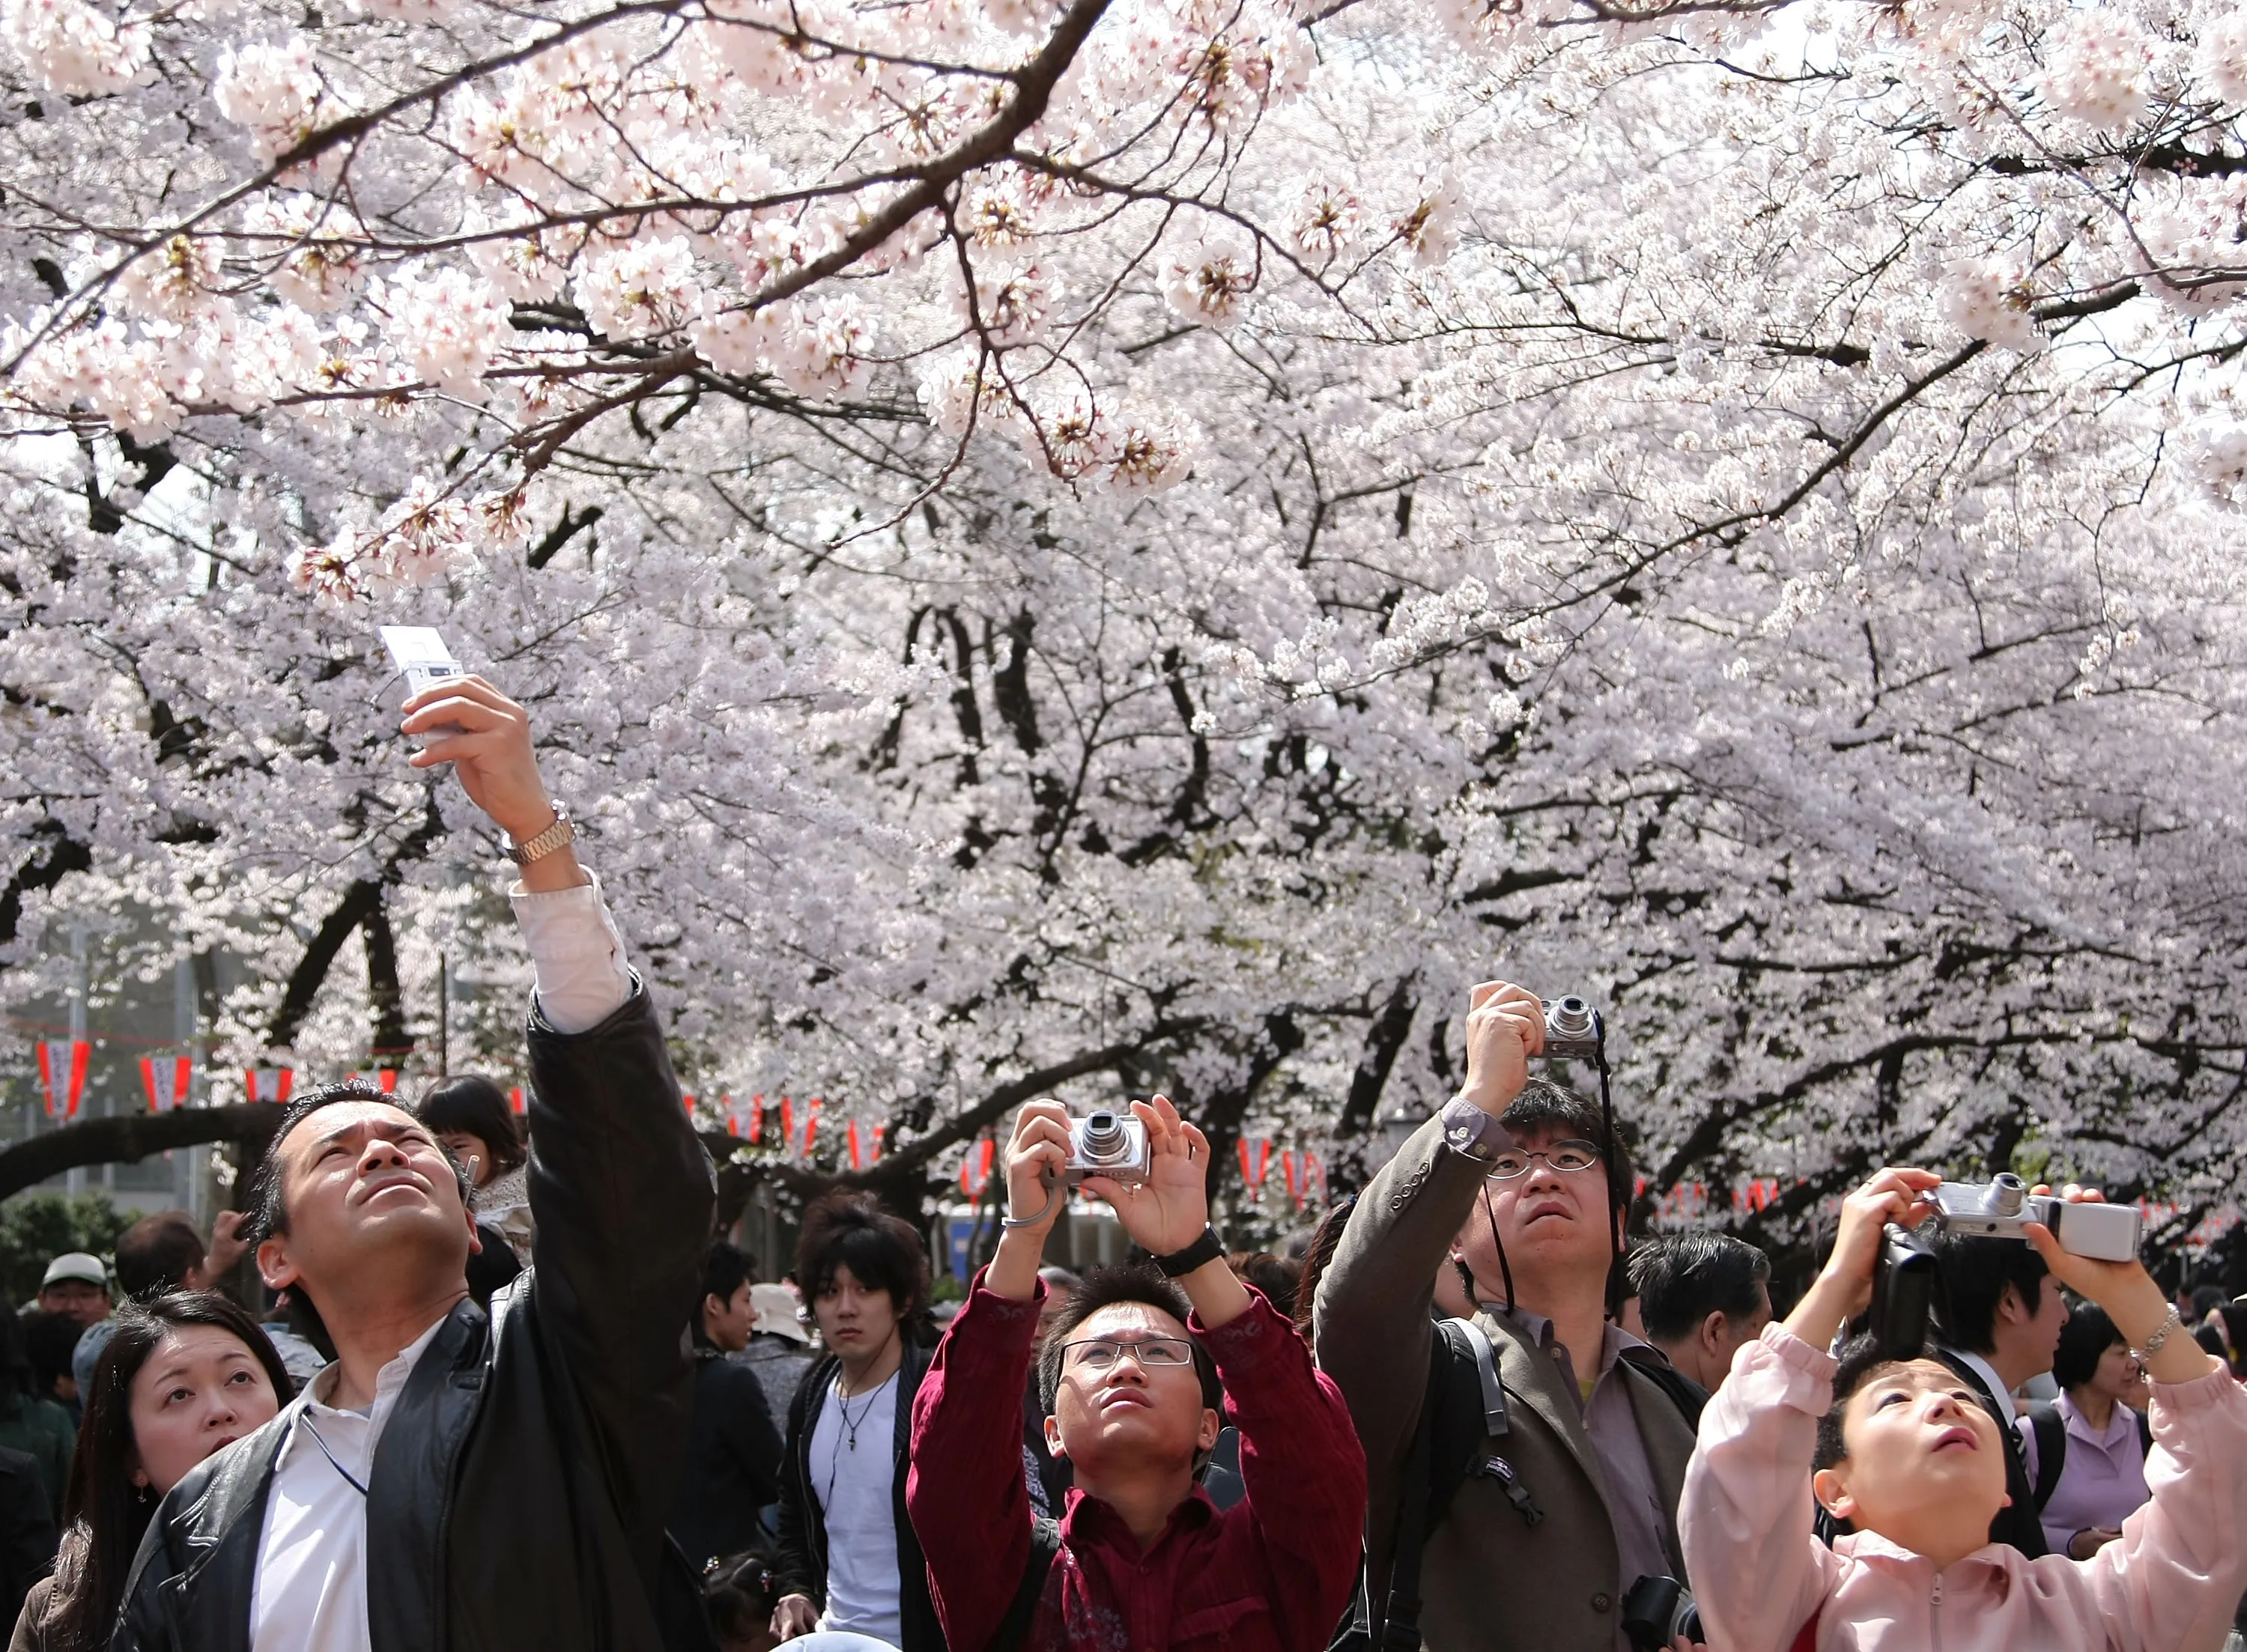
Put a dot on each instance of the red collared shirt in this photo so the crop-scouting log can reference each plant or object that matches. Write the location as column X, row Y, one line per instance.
column 1273, row 1573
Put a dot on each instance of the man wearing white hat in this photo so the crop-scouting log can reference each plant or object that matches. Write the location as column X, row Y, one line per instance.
column 779, row 1349
column 77, row 1287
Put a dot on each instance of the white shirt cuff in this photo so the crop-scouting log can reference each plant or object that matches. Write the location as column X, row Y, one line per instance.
column 577, row 956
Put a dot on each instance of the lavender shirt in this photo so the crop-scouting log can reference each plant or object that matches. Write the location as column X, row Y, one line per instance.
column 2103, row 1479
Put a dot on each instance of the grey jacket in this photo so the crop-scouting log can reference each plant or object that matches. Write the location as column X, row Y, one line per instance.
column 1489, row 1580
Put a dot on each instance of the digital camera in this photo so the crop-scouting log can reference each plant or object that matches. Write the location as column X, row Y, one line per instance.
column 1572, row 1030
column 1110, row 1144
column 1655, row 1611
column 2001, row 1206
column 1903, row 1294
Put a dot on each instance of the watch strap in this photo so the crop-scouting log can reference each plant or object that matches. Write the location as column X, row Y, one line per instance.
column 1207, row 1248
column 563, row 830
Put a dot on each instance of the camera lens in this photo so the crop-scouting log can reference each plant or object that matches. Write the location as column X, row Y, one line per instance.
column 1103, row 1137
column 2006, row 1192
column 1570, row 1015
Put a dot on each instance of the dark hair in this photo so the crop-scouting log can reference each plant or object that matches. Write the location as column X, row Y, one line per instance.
column 1974, row 1273
column 1107, row 1288
column 883, row 1252
column 740, row 1597
column 1861, row 1360
column 2206, row 1298
column 156, row 1253
column 472, row 1104
column 16, row 1376
column 104, row 1514
column 2087, row 1335
column 1546, row 1109
column 269, row 1209
column 49, row 1340
column 1682, row 1279
column 1318, row 1256
column 1275, row 1277
column 724, row 1273
column 2235, row 1323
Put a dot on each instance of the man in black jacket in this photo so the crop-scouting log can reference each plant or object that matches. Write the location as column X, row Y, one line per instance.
column 848, row 1556
column 2001, row 1319
column 732, row 1451
column 456, row 1480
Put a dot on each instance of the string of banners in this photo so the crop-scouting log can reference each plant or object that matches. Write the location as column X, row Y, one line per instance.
column 791, row 1128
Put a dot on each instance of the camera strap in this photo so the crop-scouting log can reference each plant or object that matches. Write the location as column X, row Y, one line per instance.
column 1618, row 1195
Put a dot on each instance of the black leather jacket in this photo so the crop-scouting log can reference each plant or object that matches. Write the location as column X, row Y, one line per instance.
column 520, row 1486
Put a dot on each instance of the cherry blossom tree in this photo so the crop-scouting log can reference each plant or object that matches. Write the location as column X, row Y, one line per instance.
column 1087, row 547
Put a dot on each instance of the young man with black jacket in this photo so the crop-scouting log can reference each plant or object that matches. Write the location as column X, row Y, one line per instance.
column 2001, row 1319
column 848, row 1559
column 457, row 1480
column 733, row 1451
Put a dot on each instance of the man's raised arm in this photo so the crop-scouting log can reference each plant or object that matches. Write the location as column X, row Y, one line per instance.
column 1371, row 1322
column 621, row 1189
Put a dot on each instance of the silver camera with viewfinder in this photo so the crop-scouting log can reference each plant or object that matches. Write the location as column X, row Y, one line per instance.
column 1999, row 1208
column 1110, row 1144
column 1572, row 1030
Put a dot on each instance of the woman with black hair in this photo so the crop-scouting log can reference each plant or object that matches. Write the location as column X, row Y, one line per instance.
column 2086, row 1451
column 182, row 1378
column 848, row 1561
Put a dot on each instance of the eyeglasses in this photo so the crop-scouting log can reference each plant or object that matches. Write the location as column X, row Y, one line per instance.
column 1099, row 1353
column 1562, row 1155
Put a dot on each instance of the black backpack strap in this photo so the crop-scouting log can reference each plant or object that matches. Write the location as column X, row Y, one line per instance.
column 1013, row 1631
column 2051, row 1430
column 1689, row 1396
column 2145, row 1435
column 1400, row 1614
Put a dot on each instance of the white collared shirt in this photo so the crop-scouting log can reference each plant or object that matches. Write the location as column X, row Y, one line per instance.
column 310, row 1594
column 1991, row 1380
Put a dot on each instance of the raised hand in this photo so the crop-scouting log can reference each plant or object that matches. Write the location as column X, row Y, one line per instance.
column 1037, row 1157
column 2138, row 1307
column 1844, row 1285
column 1505, row 1027
column 486, row 737
column 1168, row 1211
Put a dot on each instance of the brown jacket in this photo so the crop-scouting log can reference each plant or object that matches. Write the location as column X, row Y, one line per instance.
column 1490, row 1582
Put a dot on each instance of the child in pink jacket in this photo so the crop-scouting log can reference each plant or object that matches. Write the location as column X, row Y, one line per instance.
column 1904, row 1454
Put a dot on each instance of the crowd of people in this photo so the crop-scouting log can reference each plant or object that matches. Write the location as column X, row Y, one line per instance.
column 515, row 1399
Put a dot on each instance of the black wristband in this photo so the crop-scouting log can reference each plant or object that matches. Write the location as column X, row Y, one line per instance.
column 1207, row 1248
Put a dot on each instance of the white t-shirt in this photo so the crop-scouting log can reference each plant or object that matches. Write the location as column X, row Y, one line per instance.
column 854, row 1486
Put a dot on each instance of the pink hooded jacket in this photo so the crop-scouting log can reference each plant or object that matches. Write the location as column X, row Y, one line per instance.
column 2168, row 1584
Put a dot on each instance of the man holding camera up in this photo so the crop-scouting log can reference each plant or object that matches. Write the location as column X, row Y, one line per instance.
column 1559, row 1515
column 1130, row 1372
column 487, row 1483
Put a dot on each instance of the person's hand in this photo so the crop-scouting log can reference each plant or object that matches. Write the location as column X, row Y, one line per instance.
column 794, row 1616
column 1168, row 1211
column 2086, row 1544
column 1037, row 1160
column 1505, row 1027
column 488, row 745
column 1844, row 1285
column 228, row 1248
column 2138, row 1307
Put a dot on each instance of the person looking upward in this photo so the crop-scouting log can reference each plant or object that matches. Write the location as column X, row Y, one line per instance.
column 457, row 1478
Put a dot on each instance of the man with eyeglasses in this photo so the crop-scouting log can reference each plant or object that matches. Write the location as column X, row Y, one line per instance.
column 1138, row 1371
column 1512, row 1186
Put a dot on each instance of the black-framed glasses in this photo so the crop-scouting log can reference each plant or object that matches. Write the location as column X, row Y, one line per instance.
column 1101, row 1353
column 1562, row 1155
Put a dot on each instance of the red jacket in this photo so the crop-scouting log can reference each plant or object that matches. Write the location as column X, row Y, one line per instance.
column 1273, row 1573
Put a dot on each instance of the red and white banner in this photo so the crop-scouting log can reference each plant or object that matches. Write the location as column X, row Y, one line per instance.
column 62, row 1071
column 858, row 1162
column 1255, row 1162
column 1304, row 1170
column 167, row 1079
column 385, row 1079
column 975, row 1168
column 518, row 1100
column 269, row 1083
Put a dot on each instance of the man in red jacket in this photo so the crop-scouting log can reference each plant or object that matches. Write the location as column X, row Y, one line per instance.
column 1130, row 1373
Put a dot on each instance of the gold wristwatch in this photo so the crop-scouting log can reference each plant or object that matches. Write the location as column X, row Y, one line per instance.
column 563, row 830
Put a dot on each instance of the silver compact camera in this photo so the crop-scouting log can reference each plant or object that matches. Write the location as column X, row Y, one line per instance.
column 1999, row 1207
column 1110, row 1144
column 1572, row 1030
